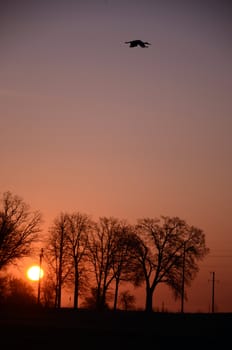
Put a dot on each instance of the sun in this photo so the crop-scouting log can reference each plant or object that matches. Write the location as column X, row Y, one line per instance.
column 34, row 273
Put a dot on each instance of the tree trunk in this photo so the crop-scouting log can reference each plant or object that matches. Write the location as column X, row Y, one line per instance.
column 76, row 292
column 149, row 294
column 116, row 294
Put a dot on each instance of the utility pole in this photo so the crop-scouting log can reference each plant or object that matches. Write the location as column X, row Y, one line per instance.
column 182, row 287
column 40, row 264
column 213, row 289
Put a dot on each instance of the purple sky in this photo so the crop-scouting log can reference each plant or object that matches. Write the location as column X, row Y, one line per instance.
column 89, row 124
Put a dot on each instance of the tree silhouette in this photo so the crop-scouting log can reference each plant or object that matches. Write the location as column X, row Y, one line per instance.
column 98, row 256
column 16, row 293
column 127, row 300
column 161, row 253
column 19, row 229
column 56, row 254
column 48, row 290
column 125, row 265
column 102, row 249
column 90, row 300
column 78, row 227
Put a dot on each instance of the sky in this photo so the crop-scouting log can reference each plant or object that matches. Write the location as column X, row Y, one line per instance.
column 89, row 124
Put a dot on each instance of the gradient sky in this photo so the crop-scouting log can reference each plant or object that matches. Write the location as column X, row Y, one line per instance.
column 91, row 125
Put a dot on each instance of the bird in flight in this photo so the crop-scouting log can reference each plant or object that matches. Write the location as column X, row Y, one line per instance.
column 134, row 43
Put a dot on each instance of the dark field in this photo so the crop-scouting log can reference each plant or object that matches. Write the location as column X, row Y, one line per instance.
column 48, row 329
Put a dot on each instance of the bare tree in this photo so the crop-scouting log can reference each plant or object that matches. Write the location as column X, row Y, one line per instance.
column 127, row 300
column 78, row 227
column 125, row 266
column 19, row 229
column 102, row 249
column 56, row 254
column 48, row 298
column 162, row 245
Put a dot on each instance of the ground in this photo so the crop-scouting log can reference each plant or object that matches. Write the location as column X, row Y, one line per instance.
column 84, row 329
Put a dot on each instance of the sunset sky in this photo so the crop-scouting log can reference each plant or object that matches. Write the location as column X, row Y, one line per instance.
column 89, row 124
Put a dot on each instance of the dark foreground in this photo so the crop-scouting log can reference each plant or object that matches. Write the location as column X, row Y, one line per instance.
column 48, row 329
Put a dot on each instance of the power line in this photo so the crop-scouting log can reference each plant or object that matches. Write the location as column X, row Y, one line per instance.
column 219, row 256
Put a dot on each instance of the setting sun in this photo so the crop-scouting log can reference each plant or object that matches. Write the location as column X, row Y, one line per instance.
column 34, row 273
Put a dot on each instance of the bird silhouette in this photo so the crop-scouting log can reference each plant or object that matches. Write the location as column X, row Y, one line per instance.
column 134, row 43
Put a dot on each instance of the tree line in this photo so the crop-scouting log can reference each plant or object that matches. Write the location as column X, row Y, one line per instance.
column 96, row 257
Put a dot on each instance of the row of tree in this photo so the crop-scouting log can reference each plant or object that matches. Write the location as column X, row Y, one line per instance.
column 96, row 257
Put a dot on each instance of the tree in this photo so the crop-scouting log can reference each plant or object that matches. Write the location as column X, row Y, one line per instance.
column 3, row 288
column 78, row 226
column 102, row 249
column 90, row 300
column 112, row 246
column 56, row 254
column 125, row 265
column 127, row 300
column 16, row 293
column 48, row 298
column 19, row 229
column 163, row 244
